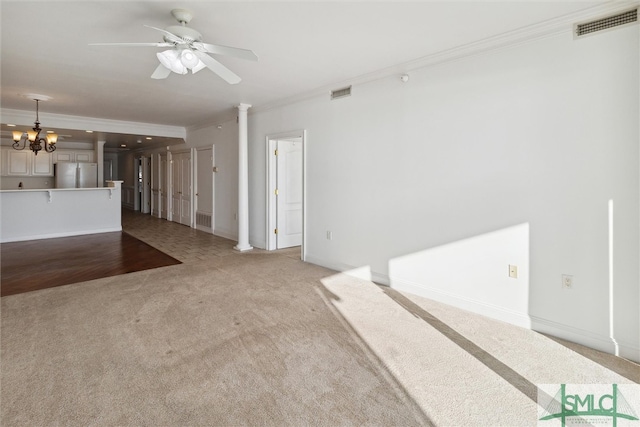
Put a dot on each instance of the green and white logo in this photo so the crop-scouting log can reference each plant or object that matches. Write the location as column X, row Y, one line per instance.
column 588, row 404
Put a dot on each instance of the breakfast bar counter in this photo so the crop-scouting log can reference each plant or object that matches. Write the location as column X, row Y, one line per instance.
column 59, row 212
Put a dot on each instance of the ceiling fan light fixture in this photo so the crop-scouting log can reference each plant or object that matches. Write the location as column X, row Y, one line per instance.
column 188, row 51
column 199, row 66
column 169, row 58
column 189, row 59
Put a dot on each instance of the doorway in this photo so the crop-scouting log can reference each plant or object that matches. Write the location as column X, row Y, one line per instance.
column 142, row 187
column 181, row 187
column 163, row 186
column 145, row 182
column 286, row 191
column 155, row 185
column 107, row 169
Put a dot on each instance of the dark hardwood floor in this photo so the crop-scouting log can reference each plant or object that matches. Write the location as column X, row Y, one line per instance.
column 39, row 264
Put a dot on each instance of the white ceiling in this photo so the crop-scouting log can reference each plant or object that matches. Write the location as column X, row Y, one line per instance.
column 302, row 46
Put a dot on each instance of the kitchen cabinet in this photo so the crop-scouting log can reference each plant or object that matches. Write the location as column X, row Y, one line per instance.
column 84, row 156
column 65, row 155
column 25, row 163
column 42, row 164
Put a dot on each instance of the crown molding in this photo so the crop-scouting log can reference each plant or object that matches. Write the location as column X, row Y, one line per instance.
column 26, row 118
column 552, row 27
column 216, row 120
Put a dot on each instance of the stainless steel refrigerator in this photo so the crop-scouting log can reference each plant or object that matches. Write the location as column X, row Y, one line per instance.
column 76, row 175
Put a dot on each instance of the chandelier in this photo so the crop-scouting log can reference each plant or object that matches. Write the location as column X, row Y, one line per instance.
column 36, row 143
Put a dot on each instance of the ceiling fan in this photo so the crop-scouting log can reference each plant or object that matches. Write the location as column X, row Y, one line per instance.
column 188, row 51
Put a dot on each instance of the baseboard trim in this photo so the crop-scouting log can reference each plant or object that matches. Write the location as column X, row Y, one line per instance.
column 573, row 334
column 203, row 228
column 586, row 338
column 226, row 234
column 63, row 234
column 580, row 336
column 629, row 352
column 482, row 308
column 479, row 307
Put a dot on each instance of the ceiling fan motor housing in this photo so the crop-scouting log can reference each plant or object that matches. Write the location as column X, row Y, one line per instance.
column 182, row 15
column 187, row 34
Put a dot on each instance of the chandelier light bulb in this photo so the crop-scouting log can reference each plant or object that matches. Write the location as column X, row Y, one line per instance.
column 32, row 135
column 17, row 135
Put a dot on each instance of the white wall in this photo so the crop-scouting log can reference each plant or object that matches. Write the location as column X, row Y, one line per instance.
column 225, row 141
column 511, row 157
column 28, row 182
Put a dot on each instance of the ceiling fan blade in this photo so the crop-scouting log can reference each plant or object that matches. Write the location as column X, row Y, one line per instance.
column 161, row 72
column 226, row 50
column 133, row 44
column 170, row 36
column 226, row 74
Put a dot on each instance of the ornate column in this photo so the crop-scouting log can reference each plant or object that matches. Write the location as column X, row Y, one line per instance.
column 243, row 181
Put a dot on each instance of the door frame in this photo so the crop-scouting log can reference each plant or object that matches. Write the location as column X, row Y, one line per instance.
column 271, row 180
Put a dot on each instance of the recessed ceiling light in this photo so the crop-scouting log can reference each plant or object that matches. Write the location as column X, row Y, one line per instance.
column 139, row 141
column 88, row 131
column 123, row 145
column 149, row 138
column 49, row 131
column 11, row 125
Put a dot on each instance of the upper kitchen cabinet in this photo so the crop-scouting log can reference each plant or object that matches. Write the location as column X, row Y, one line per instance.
column 42, row 164
column 26, row 163
column 64, row 155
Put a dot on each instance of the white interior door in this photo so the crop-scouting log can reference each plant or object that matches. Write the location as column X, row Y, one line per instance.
column 146, row 185
column 204, row 189
column 137, row 189
column 176, row 187
column 155, row 182
column 162, row 186
column 181, row 188
column 185, row 189
column 289, row 193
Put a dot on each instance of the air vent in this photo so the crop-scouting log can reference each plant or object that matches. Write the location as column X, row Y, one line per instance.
column 341, row 93
column 628, row 17
column 203, row 219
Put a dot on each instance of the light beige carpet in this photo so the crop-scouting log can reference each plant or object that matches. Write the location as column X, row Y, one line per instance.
column 261, row 339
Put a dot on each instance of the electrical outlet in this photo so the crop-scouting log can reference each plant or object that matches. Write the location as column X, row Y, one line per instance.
column 567, row 281
column 513, row 271
column 329, row 235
